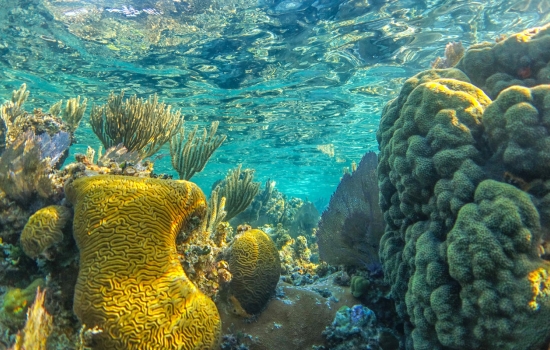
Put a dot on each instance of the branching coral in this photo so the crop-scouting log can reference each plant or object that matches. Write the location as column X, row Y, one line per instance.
column 140, row 125
column 190, row 153
column 125, row 229
column 351, row 226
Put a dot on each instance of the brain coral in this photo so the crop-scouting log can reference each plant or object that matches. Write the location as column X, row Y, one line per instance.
column 131, row 283
column 255, row 266
column 461, row 248
column 44, row 229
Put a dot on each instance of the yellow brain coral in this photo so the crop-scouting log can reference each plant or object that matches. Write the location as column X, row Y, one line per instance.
column 44, row 229
column 131, row 283
column 255, row 266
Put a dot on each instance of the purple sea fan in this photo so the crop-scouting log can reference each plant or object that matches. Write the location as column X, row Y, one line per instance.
column 351, row 227
column 26, row 165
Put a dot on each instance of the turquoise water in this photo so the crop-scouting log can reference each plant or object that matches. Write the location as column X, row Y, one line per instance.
column 284, row 78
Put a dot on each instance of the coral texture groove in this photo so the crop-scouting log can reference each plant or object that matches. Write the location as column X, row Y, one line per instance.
column 131, row 284
column 44, row 229
column 255, row 266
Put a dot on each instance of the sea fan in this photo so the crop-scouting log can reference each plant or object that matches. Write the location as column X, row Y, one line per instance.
column 350, row 228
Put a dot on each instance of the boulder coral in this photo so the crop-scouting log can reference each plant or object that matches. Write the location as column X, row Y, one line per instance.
column 255, row 266
column 131, row 284
column 465, row 192
column 44, row 230
column 521, row 59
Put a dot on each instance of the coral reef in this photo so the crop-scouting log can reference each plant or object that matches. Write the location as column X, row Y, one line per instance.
column 353, row 328
column 116, row 161
column 12, row 219
column 357, row 327
column 125, row 229
column 15, row 303
column 464, row 186
column 44, row 230
column 143, row 126
column 272, row 207
column 255, row 266
column 295, row 256
column 351, row 226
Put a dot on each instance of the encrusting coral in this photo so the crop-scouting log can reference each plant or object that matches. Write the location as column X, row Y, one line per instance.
column 464, row 186
column 16, row 302
column 255, row 268
column 125, row 229
column 44, row 230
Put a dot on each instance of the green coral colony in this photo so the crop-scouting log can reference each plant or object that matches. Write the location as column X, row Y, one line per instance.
column 439, row 240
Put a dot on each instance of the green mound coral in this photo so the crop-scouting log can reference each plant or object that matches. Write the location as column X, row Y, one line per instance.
column 464, row 188
column 255, row 266
column 15, row 303
column 518, row 124
column 521, row 59
column 131, row 284
column 505, row 287
column 359, row 286
column 44, row 229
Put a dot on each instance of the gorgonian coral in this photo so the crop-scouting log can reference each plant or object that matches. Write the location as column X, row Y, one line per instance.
column 351, row 226
column 26, row 164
